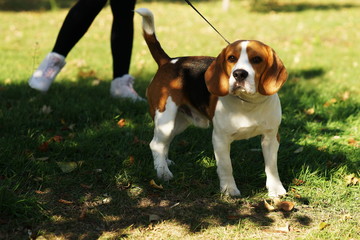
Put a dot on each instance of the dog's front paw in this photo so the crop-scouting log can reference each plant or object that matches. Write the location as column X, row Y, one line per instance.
column 164, row 173
column 230, row 190
column 276, row 190
column 170, row 162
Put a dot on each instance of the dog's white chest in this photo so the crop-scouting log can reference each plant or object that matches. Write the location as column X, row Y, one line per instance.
column 240, row 120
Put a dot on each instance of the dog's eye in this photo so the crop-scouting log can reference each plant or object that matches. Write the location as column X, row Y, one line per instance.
column 256, row 60
column 232, row 59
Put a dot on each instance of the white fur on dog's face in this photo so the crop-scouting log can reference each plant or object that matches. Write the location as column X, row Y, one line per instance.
column 248, row 85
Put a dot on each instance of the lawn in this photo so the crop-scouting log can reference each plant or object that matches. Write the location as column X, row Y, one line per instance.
column 75, row 163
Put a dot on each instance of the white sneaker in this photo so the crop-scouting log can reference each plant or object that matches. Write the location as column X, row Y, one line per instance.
column 45, row 74
column 122, row 87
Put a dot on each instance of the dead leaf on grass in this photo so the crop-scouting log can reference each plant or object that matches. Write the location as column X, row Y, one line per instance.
column 42, row 159
column 131, row 160
column 285, row 229
column 154, row 185
column 44, row 147
column 323, row 225
column 298, row 182
column 286, row 206
column 330, row 102
column 121, row 123
column 268, row 206
column 299, row 150
column 65, row 201
column 67, row 167
column 345, row 96
column 351, row 180
column 346, row 217
column 57, row 138
column 45, row 109
column 86, row 186
column 310, row 111
column 277, row 204
column 353, row 142
column 41, row 192
column 86, row 74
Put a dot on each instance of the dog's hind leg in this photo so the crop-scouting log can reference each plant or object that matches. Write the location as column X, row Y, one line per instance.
column 168, row 124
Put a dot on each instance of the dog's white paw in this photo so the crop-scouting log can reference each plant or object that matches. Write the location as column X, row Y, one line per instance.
column 164, row 173
column 276, row 190
column 230, row 190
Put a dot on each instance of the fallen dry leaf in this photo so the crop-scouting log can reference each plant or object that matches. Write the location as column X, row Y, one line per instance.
column 44, row 147
column 330, row 102
column 268, row 206
column 286, row 206
column 121, row 123
column 86, row 186
column 285, row 229
column 67, row 167
column 345, row 96
column 351, row 180
column 131, row 160
column 154, row 185
column 57, row 138
column 346, row 217
column 353, row 142
column 40, row 192
column 86, row 74
column 277, row 204
column 298, row 182
column 310, row 111
column 323, row 225
column 45, row 109
column 65, row 201
column 299, row 150
column 298, row 196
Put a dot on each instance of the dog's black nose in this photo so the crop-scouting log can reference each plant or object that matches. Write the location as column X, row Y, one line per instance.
column 240, row 74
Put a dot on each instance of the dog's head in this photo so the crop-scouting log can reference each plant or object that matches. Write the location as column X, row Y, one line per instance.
column 246, row 67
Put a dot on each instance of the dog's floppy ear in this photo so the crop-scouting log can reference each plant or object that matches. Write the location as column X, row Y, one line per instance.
column 216, row 77
column 274, row 75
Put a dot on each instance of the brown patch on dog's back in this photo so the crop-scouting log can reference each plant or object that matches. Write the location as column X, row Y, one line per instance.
column 184, row 82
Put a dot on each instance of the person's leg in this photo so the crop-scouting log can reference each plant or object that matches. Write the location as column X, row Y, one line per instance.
column 75, row 25
column 122, row 34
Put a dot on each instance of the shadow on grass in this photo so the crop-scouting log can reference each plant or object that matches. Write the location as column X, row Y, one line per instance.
column 110, row 191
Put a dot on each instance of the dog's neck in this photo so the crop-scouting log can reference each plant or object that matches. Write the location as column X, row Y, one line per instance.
column 256, row 98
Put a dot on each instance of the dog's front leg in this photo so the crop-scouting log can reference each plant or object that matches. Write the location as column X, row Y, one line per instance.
column 270, row 147
column 221, row 145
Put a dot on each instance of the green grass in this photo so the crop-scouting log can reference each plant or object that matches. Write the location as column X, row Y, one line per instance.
column 108, row 195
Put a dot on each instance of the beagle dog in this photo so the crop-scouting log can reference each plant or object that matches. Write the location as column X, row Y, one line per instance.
column 236, row 91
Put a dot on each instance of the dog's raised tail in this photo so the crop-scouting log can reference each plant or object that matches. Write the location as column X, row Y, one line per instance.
column 148, row 26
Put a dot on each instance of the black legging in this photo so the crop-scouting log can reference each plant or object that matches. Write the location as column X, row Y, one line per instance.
column 79, row 19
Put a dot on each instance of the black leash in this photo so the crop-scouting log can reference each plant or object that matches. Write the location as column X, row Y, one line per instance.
column 188, row 2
